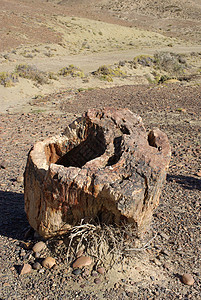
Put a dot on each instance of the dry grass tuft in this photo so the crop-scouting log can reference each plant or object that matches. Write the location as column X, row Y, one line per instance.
column 107, row 244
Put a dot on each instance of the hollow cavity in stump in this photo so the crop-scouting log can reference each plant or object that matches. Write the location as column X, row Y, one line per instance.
column 103, row 167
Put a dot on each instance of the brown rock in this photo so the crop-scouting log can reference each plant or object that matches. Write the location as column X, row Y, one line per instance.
column 48, row 262
column 104, row 164
column 38, row 247
column 37, row 266
column 188, row 279
column 82, row 261
column 97, row 280
column 3, row 164
column 101, row 270
column 25, row 268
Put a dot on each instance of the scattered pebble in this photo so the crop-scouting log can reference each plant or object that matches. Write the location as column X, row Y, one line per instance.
column 22, row 253
column 97, row 280
column 25, row 268
column 37, row 266
column 86, row 272
column 20, row 179
column 101, row 270
column 48, row 262
column 38, row 247
column 41, row 271
column 188, row 279
column 94, row 273
column 3, row 164
column 82, row 261
column 77, row 271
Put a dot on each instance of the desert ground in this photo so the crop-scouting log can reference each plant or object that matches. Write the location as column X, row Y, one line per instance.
column 60, row 58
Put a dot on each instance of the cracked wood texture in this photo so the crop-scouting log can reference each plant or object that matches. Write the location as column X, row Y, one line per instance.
column 104, row 167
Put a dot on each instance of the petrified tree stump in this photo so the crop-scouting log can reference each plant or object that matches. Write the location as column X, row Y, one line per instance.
column 104, row 166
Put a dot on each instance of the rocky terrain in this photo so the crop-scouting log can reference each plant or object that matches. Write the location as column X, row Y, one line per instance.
column 132, row 71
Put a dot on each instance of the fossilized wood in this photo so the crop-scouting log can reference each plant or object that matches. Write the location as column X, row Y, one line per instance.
column 104, row 167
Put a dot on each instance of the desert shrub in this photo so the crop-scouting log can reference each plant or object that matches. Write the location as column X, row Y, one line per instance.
column 106, row 73
column 8, row 79
column 52, row 75
column 71, row 70
column 172, row 63
column 163, row 78
column 144, row 60
column 32, row 73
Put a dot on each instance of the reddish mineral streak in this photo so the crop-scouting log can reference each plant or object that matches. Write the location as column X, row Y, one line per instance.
column 103, row 167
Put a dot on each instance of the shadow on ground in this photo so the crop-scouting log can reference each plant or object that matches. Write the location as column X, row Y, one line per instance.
column 13, row 221
column 188, row 182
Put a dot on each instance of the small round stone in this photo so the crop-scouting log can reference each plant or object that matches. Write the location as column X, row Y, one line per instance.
column 77, row 271
column 82, row 261
column 37, row 266
column 97, row 280
column 48, row 262
column 101, row 270
column 20, row 179
column 38, row 247
column 188, row 279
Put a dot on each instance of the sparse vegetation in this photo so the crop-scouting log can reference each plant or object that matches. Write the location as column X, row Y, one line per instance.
column 144, row 60
column 8, row 79
column 52, row 75
column 107, row 244
column 173, row 64
column 32, row 73
column 107, row 73
column 71, row 70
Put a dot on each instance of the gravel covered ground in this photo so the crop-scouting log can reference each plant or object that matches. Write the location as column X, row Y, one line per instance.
column 174, row 251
